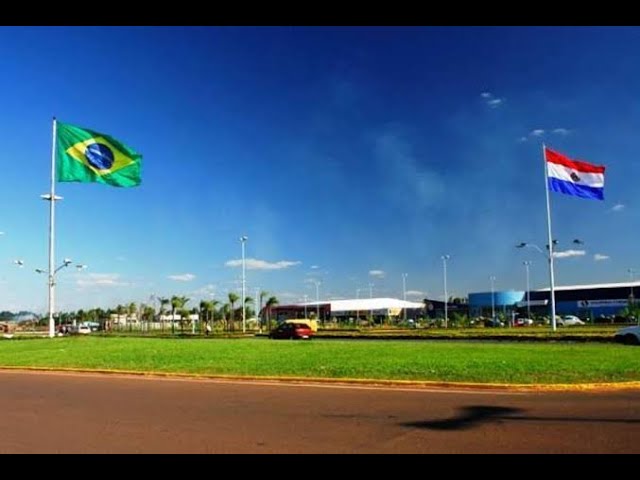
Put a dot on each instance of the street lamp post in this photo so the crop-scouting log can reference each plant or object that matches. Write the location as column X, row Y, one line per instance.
column 527, row 264
column 549, row 257
column 444, row 269
column 52, row 281
column 243, row 240
column 631, row 271
column 493, row 298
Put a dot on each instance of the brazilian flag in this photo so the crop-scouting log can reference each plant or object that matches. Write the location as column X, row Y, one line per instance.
column 83, row 155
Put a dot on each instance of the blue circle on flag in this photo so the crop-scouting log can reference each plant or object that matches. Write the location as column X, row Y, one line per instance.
column 99, row 156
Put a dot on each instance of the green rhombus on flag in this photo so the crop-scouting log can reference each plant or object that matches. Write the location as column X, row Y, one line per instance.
column 86, row 156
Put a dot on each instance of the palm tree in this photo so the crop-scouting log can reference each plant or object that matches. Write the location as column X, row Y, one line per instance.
column 233, row 298
column 226, row 309
column 204, row 305
column 131, row 311
column 163, row 303
column 263, row 294
column 176, row 304
column 247, row 302
column 211, row 308
column 120, row 311
column 271, row 302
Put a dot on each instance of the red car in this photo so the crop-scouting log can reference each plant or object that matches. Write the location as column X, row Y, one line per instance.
column 292, row 331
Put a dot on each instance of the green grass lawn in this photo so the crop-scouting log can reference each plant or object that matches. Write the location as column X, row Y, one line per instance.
column 460, row 361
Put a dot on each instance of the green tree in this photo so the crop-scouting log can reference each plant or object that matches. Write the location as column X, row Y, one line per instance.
column 177, row 303
column 271, row 302
column 233, row 298
column 164, row 302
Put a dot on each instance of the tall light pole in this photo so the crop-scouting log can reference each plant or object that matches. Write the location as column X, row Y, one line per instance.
column 243, row 240
column 52, row 282
column 444, row 269
column 493, row 301
column 549, row 256
column 527, row 264
column 630, row 271
column 404, row 295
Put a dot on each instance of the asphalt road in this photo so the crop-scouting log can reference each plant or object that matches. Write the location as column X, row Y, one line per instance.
column 78, row 413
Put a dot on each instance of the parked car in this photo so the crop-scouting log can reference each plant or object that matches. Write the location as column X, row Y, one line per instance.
column 312, row 324
column 84, row 329
column 523, row 322
column 569, row 321
column 492, row 323
column 292, row 331
column 628, row 335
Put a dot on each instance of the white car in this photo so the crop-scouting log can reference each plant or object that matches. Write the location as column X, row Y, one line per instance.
column 84, row 329
column 570, row 320
column 628, row 335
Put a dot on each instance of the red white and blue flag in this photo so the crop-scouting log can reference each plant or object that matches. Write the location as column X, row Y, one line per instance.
column 573, row 177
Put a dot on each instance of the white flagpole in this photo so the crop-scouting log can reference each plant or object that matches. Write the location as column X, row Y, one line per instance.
column 52, row 201
column 552, row 295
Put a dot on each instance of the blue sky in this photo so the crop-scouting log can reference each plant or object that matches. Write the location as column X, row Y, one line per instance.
column 346, row 155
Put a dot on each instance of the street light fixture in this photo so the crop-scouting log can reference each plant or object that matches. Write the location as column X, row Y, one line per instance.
column 52, row 281
column 527, row 264
column 243, row 240
column 549, row 256
column 444, row 269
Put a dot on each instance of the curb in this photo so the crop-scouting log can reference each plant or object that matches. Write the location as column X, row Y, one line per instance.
column 561, row 387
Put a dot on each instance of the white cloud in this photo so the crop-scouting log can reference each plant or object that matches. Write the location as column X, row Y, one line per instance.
column 617, row 207
column 491, row 100
column 415, row 293
column 120, row 258
column 99, row 279
column 255, row 264
column 376, row 273
column 522, row 139
column 313, row 267
column 599, row 256
column 569, row 253
column 538, row 132
column 561, row 131
column 183, row 277
column 1, row 233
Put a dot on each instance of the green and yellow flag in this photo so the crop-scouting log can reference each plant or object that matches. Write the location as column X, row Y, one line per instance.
column 86, row 156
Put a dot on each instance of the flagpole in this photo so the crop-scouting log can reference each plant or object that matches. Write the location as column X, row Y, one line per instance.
column 52, row 202
column 552, row 295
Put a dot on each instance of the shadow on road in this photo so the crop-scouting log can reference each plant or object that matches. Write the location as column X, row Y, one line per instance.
column 476, row 415
column 469, row 417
